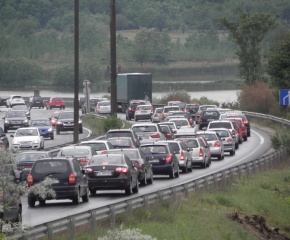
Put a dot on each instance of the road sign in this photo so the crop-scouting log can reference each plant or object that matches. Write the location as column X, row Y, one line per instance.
column 284, row 96
column 86, row 91
column 86, row 82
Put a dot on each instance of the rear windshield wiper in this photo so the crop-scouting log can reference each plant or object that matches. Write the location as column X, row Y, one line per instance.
column 53, row 173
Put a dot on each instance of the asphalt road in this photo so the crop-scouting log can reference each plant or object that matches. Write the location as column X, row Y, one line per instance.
column 257, row 144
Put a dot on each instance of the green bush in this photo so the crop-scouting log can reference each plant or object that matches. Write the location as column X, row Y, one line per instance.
column 112, row 123
column 281, row 138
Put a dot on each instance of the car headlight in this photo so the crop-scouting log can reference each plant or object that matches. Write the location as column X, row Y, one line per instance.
column 25, row 121
column 49, row 130
column 80, row 121
column 59, row 122
column 36, row 141
column 15, row 142
column 6, row 121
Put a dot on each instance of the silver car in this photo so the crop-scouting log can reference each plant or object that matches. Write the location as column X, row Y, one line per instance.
column 182, row 153
column 215, row 143
column 167, row 109
column 157, row 115
column 99, row 146
column 227, row 138
column 143, row 112
column 103, row 107
column 148, row 132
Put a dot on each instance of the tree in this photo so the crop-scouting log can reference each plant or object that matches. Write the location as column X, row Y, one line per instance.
column 279, row 61
column 248, row 34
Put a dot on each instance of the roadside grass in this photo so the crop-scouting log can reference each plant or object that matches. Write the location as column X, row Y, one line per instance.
column 266, row 195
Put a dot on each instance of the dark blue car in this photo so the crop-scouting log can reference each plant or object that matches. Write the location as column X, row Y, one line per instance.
column 45, row 127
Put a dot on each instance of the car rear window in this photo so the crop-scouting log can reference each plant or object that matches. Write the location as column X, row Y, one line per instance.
column 29, row 156
column 135, row 104
column 16, row 97
column 208, row 137
column 120, row 142
column 179, row 122
column 158, row 110
column 119, row 134
column 154, row 149
column 75, row 152
column 144, row 129
column 106, row 160
column 56, row 99
column 45, row 167
column 129, row 153
column 166, row 110
column 37, row 99
column 220, row 125
column 95, row 146
column 104, row 103
column 190, row 143
column 185, row 135
column 210, row 114
column 189, row 107
column 144, row 108
column 175, row 147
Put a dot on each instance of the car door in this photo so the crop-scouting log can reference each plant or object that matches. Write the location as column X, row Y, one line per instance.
column 132, row 170
column 148, row 166
column 81, row 179
column 186, row 153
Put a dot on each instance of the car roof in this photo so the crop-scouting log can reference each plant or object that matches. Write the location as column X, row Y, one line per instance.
column 120, row 130
column 145, row 124
column 213, row 129
column 206, row 132
column 54, row 159
column 68, row 147
column 120, row 138
column 32, row 152
column 28, row 128
column 40, row 119
column 95, row 141
column 154, row 144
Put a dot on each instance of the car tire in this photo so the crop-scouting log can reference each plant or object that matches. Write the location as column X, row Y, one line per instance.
column 144, row 181
column 85, row 198
column 249, row 134
column 203, row 165
column 233, row 152
column 150, row 180
column 42, row 202
column 52, row 137
column 177, row 173
column 245, row 138
column 81, row 130
column 128, row 190
column 19, row 216
column 93, row 191
column 220, row 157
column 76, row 198
column 50, row 108
column 240, row 141
column 209, row 162
column 57, row 131
column 172, row 175
column 136, row 188
column 237, row 146
column 63, row 107
column 136, row 120
column 31, row 201
column 5, row 130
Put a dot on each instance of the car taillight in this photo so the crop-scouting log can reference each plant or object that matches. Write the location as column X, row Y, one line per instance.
column 182, row 156
column 90, row 170
column 198, row 113
column 229, row 140
column 155, row 115
column 137, row 165
column 233, row 132
column 135, row 141
column 32, row 102
column 136, row 111
column 131, row 147
column 121, row 170
column 30, row 179
column 246, row 122
column 72, row 178
column 131, row 109
column 43, row 102
column 103, row 152
column 156, row 135
column 98, row 107
column 168, row 135
column 200, row 152
column 200, row 119
column 168, row 158
column 84, row 160
column 217, row 144
column 186, row 110
column 190, row 121
column 163, row 114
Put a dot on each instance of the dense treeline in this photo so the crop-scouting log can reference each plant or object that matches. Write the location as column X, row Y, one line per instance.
column 39, row 33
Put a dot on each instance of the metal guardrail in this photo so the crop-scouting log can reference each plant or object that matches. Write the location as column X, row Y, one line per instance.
column 209, row 183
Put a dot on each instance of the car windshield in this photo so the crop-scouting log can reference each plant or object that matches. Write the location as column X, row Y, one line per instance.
column 156, row 149
column 143, row 108
column 13, row 114
column 168, row 109
column 210, row 114
column 175, row 147
column 104, row 103
column 120, row 142
column 190, row 143
column 158, row 110
column 96, row 146
column 179, row 122
column 75, row 152
column 119, row 134
column 50, row 167
column 132, row 154
column 144, row 129
column 20, row 107
column 26, row 132
column 56, row 99
column 64, row 115
column 220, row 125
column 208, row 137
column 37, row 99
column 40, row 123
column 106, row 160
column 29, row 156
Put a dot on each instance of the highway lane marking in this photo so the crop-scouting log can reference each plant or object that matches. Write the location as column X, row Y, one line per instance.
column 90, row 132
column 261, row 143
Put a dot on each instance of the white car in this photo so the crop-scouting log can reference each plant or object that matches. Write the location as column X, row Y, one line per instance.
column 99, row 146
column 103, row 107
column 148, row 132
column 157, row 115
column 28, row 138
column 143, row 112
column 180, row 122
column 15, row 100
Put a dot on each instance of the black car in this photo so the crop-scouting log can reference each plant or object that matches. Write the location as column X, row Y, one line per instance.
column 65, row 122
column 122, row 142
column 208, row 116
column 25, row 161
column 139, row 161
column 130, row 111
column 15, row 119
column 4, row 142
column 112, row 172
column 3, row 101
column 123, row 133
column 167, row 132
column 162, row 158
column 35, row 102
column 23, row 108
column 71, row 181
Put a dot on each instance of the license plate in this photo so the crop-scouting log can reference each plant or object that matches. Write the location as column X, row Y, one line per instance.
column 37, row 102
column 57, row 105
column 107, row 173
column 209, row 120
column 143, row 111
column 145, row 137
column 68, row 124
column 25, row 146
column 56, row 181
column 154, row 160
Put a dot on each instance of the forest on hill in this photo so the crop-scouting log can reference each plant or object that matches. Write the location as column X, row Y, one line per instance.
column 37, row 45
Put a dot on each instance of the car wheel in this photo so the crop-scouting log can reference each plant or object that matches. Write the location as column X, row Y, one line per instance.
column 50, row 108
column 150, row 180
column 57, row 131
column 136, row 188
column 81, row 130
column 185, row 169
column 7, row 106
column 237, row 146
column 63, row 107
column 39, row 107
column 136, row 120
column 5, row 130
column 232, row 152
column 93, row 191
column 85, row 198
column 42, row 146
column 245, row 138
column 52, row 137
column 31, row 201
column 177, row 173
column 172, row 175
column 209, row 162
column 203, row 165
column 19, row 217
column 76, row 198
column 42, row 202
column 249, row 134
column 144, row 181
column 128, row 190
column 46, row 108
column 219, row 157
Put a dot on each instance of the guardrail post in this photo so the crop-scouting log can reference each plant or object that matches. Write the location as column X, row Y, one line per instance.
column 73, row 227
column 49, row 231
column 266, row 164
column 113, row 216
column 196, row 188
column 271, row 160
column 278, row 152
column 160, row 196
column 260, row 165
column 240, row 171
column 146, row 205
column 247, row 170
column 130, row 209
column 254, row 167
column 232, row 176
column 186, row 195
column 94, row 222
column 224, row 179
column 206, row 185
column 174, row 194
column 215, row 182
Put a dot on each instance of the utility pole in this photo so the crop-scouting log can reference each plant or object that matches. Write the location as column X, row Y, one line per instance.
column 113, row 58
column 76, row 80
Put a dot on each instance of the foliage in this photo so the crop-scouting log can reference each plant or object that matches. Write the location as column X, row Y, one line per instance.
column 124, row 234
column 181, row 96
column 279, row 61
column 258, row 98
column 281, row 138
column 248, row 33
column 112, row 123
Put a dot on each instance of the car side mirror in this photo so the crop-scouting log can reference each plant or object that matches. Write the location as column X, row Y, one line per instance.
column 49, row 118
column 206, row 147
column 12, row 136
column 188, row 149
column 28, row 117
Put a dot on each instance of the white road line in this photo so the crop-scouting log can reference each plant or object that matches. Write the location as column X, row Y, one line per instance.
column 90, row 132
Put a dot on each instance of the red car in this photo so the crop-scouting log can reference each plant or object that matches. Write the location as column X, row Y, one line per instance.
column 237, row 127
column 53, row 119
column 55, row 102
column 241, row 124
